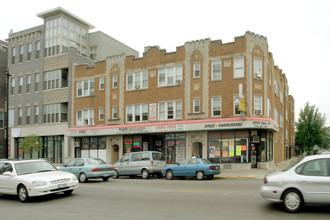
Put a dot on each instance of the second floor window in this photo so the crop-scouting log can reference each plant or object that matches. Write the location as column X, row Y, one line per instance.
column 36, row 114
column 170, row 76
column 37, row 82
column 137, row 80
column 137, row 112
column 85, row 117
column 216, row 106
column 20, row 115
column 28, row 83
column 114, row 112
column 20, row 86
column 12, row 86
column 28, row 115
column 101, row 114
column 257, row 104
column 85, row 88
column 169, row 110
column 196, row 103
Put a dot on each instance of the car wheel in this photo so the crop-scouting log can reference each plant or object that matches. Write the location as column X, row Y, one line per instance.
column 68, row 192
column 116, row 176
column 210, row 177
column 292, row 200
column 82, row 178
column 200, row 175
column 105, row 179
column 145, row 174
column 169, row 174
column 23, row 194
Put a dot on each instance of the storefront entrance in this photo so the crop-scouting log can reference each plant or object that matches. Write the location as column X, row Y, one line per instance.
column 197, row 149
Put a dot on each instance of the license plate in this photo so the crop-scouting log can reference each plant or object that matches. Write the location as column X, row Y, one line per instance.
column 106, row 175
column 61, row 186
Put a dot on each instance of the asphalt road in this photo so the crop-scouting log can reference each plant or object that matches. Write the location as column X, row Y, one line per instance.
column 156, row 199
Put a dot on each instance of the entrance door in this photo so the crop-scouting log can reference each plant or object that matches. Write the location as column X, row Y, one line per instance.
column 197, row 149
column 114, row 154
column 254, row 156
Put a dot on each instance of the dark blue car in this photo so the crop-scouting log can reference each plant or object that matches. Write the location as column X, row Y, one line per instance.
column 193, row 167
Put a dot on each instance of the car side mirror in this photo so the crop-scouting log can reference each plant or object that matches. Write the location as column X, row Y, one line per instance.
column 7, row 173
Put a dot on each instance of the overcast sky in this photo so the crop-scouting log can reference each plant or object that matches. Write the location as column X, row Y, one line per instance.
column 298, row 31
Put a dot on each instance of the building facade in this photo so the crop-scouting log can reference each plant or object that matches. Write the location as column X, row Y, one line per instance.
column 3, row 79
column 41, row 60
column 228, row 103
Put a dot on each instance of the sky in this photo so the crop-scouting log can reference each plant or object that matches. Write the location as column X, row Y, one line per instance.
column 298, row 31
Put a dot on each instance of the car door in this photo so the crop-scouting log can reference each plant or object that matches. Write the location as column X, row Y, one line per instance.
column 135, row 165
column 79, row 167
column 314, row 180
column 192, row 166
column 122, row 165
column 181, row 169
column 7, row 183
column 69, row 167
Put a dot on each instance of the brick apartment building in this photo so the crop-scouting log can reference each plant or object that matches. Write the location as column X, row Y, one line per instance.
column 40, row 64
column 190, row 101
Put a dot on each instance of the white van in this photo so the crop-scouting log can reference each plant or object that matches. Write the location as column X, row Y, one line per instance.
column 144, row 163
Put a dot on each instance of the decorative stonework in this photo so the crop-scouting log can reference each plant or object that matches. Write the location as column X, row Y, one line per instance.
column 58, row 96
column 56, row 62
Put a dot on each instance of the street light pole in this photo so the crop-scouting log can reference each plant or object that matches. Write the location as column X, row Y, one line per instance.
column 7, row 114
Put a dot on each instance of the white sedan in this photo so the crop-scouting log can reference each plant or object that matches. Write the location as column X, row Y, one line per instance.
column 28, row 178
column 307, row 182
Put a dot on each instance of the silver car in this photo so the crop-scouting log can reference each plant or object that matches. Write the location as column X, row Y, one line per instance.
column 307, row 182
column 144, row 163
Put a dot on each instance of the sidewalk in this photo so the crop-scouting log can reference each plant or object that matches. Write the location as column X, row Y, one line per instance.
column 253, row 173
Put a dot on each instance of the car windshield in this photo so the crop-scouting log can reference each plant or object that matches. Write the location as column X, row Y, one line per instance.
column 33, row 167
column 94, row 161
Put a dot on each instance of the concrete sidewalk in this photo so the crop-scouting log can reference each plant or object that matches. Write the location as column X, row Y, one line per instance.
column 253, row 173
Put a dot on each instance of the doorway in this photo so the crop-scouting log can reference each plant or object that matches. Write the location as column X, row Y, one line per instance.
column 254, row 156
column 114, row 154
column 197, row 149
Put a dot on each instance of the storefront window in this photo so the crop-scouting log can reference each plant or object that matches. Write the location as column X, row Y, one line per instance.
column 241, row 150
column 215, row 150
column 175, row 147
column 94, row 147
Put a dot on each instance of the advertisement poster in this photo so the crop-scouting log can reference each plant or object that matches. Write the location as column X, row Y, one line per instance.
column 238, row 150
column 212, row 152
column 243, row 147
column 225, row 153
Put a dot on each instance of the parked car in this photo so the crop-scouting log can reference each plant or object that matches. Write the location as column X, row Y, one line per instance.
column 144, row 163
column 28, row 178
column 193, row 167
column 307, row 182
column 89, row 168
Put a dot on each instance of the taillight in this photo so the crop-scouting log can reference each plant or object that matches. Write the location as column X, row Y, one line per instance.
column 212, row 167
column 95, row 169
column 151, row 163
column 265, row 180
column 112, row 168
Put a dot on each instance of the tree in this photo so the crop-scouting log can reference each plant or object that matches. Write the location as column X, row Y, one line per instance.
column 31, row 144
column 311, row 129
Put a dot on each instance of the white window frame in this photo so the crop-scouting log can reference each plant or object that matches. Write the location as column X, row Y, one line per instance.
column 214, row 107
column 281, row 96
column 257, row 107
column 114, row 112
column 276, row 115
column 238, row 67
column 101, row 114
column 196, row 105
column 257, row 67
column 101, row 83
column 170, row 76
column 85, row 117
column 281, row 121
column 115, row 81
column 269, row 107
column 28, row 83
column 139, row 80
column 275, row 87
column 88, row 91
column 138, row 111
column 214, row 74
column 163, row 107
column 197, row 70
column 270, row 76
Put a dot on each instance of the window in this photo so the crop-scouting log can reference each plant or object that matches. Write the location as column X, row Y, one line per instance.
column 275, row 115
column 20, row 86
column 28, row 115
column 101, row 114
column 170, row 76
column 51, row 113
column 216, row 70
column 12, row 86
column 275, row 87
column 13, row 55
column 37, row 82
column 29, row 46
column 36, row 114
column 286, row 115
column 115, row 82
column 314, row 168
column 281, row 96
column 196, row 104
column 136, row 80
column 239, row 67
column 197, row 71
column 114, row 112
column 170, row 110
column 216, row 106
column 53, row 79
column 37, row 54
column 85, row 117
column 281, row 120
column 101, row 83
column 1, row 119
column 28, row 83
column 137, row 112
column 85, row 88
column 92, row 52
column 270, row 76
column 257, row 66
column 21, row 52
column 20, row 115
column 269, row 107
column 257, row 104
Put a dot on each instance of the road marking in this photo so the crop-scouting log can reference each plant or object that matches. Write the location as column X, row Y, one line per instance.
column 198, row 191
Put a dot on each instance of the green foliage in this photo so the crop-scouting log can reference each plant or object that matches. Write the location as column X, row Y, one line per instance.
column 31, row 144
column 311, row 129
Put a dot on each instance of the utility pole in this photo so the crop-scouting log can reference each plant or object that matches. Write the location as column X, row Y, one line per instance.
column 7, row 115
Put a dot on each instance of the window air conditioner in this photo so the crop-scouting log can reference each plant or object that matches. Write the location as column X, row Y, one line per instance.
column 258, row 112
column 91, row 93
column 179, row 82
column 137, row 86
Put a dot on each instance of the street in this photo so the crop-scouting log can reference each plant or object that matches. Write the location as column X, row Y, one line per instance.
column 126, row 198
